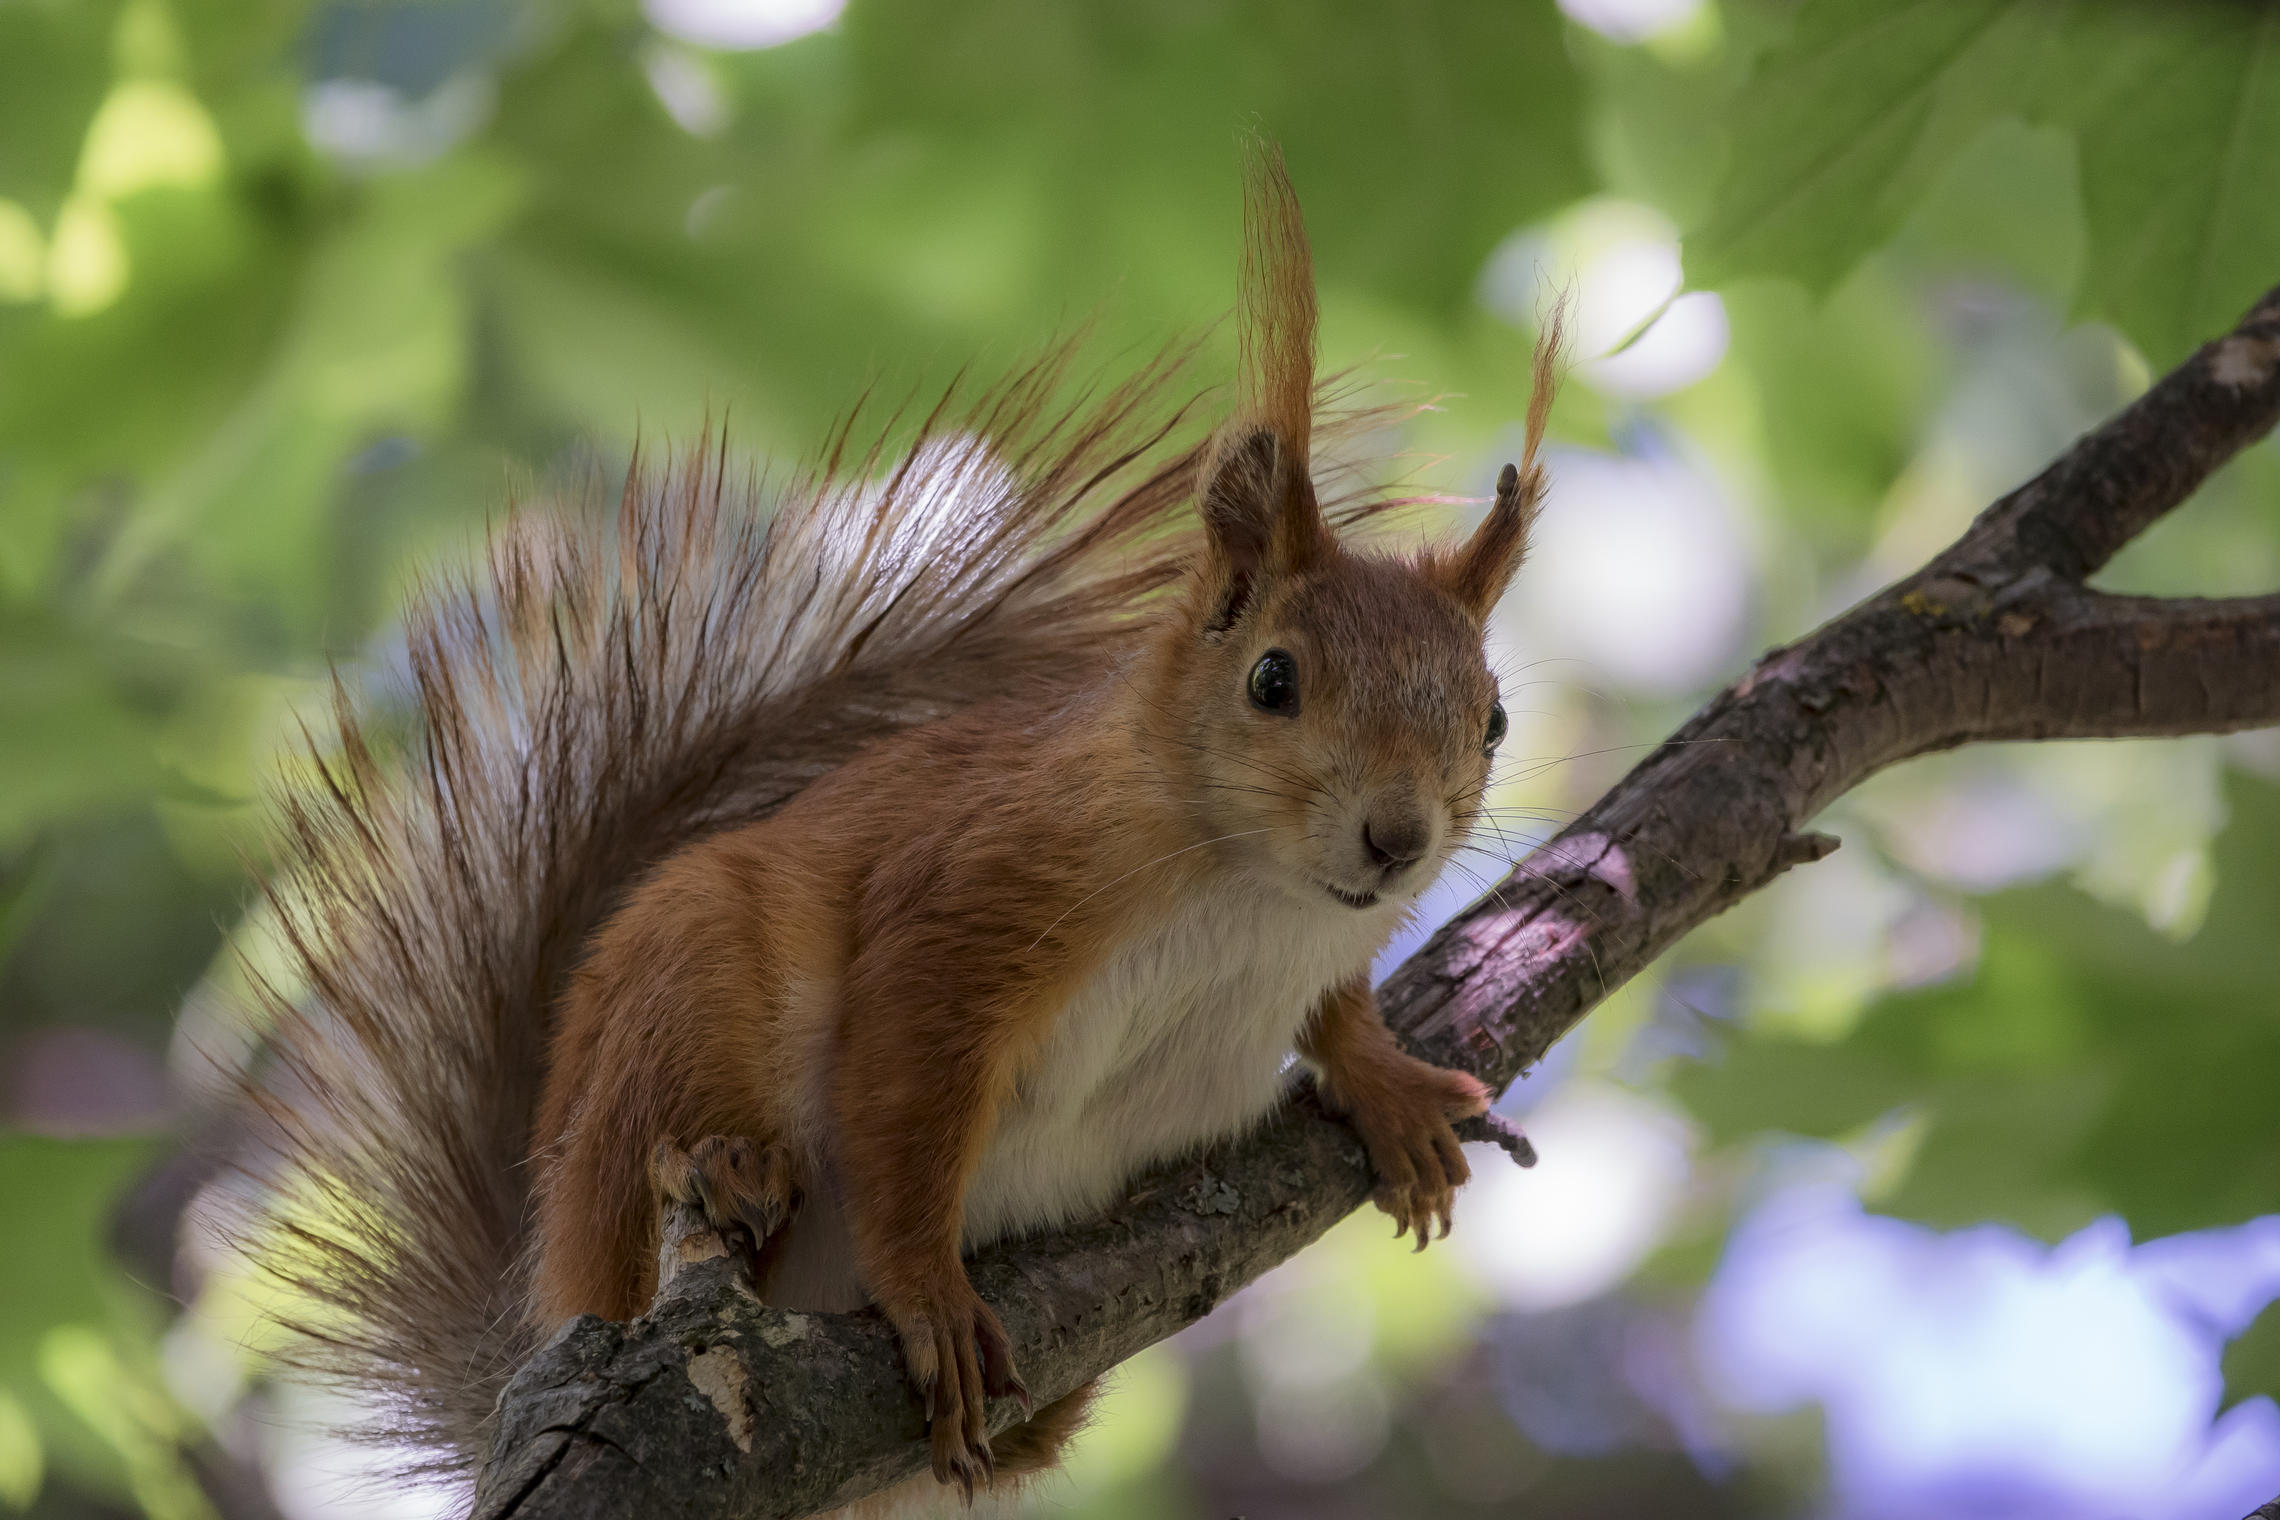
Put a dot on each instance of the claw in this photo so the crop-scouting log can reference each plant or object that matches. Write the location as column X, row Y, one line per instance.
column 743, row 1193
column 958, row 1358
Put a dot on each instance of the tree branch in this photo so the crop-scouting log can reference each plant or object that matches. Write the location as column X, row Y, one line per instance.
column 715, row 1406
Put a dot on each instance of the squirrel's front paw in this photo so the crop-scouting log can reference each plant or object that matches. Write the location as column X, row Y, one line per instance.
column 1404, row 1117
column 958, row 1358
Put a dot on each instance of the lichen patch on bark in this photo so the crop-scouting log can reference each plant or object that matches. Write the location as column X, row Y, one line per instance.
column 719, row 1376
column 2242, row 361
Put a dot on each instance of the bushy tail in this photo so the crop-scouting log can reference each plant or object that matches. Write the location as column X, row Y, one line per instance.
column 608, row 688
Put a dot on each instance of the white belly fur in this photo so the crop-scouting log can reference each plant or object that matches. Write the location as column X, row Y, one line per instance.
column 1179, row 1040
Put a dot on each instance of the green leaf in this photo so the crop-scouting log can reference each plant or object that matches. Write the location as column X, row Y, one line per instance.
column 2007, row 205
column 1847, row 124
column 2175, row 112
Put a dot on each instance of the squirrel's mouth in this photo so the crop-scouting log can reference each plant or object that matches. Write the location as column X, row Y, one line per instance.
column 1351, row 899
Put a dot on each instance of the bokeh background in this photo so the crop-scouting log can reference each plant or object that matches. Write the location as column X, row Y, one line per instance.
column 1940, row 1179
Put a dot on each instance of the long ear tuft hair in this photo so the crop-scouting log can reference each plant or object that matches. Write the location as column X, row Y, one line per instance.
column 1478, row 573
column 1256, row 489
column 1276, row 305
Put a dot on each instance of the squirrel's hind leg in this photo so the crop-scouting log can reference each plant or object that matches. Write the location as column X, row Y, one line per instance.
column 728, row 1187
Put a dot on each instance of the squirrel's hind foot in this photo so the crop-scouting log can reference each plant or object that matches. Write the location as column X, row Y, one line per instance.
column 726, row 1187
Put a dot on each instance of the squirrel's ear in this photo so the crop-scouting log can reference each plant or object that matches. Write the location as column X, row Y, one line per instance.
column 1478, row 573
column 1260, row 515
column 1257, row 490
column 1258, row 504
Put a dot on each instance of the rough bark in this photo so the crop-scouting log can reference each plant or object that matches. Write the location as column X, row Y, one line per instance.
column 715, row 1406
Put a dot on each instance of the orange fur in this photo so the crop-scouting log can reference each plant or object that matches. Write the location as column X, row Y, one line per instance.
column 872, row 975
column 1402, row 1106
column 1275, row 310
column 1035, row 1445
column 934, row 860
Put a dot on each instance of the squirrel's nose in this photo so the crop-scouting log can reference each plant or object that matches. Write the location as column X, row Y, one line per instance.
column 1396, row 844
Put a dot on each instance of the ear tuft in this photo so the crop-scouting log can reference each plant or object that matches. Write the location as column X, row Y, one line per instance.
column 1257, row 490
column 1275, row 310
column 1478, row 574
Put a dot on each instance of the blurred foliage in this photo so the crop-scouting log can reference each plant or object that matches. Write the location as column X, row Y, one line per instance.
column 2087, row 1065
column 295, row 294
column 79, row 1389
column 2252, row 1361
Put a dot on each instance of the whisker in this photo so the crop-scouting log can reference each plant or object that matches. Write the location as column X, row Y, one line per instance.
column 1484, row 888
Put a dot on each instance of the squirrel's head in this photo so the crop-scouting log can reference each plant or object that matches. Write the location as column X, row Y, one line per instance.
column 1333, row 710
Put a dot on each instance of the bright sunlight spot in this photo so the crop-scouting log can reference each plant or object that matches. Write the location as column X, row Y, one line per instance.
column 685, row 87
column 87, row 262
column 1636, row 336
column 318, row 1476
column 1307, row 1340
column 1574, row 1225
column 740, row 23
column 1631, row 20
column 363, row 121
column 2083, row 1372
column 149, row 132
column 1654, row 584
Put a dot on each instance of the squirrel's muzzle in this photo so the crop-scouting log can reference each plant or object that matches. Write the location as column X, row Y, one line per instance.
column 1395, row 843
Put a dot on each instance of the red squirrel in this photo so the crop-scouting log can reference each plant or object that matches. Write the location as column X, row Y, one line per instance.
column 907, row 869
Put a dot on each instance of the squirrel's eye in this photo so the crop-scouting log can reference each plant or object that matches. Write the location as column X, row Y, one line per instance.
column 1496, row 727
column 1274, row 682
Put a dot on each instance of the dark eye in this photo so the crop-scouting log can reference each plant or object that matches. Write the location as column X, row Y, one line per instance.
column 1496, row 727
column 1274, row 682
